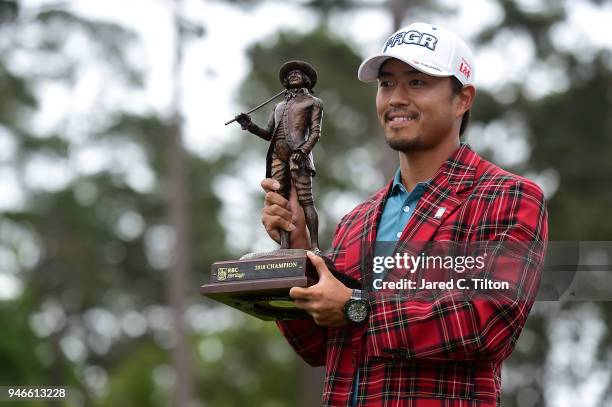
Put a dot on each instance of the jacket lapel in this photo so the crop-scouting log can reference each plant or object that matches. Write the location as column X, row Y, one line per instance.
column 440, row 200
column 368, row 232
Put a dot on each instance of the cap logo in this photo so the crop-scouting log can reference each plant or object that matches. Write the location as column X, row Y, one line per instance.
column 465, row 68
column 412, row 37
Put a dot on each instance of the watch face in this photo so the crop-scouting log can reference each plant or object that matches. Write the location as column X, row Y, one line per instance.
column 357, row 311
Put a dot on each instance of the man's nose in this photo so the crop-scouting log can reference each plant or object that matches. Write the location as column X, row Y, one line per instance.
column 399, row 96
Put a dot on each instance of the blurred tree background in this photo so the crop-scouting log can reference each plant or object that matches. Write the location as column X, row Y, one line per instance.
column 114, row 223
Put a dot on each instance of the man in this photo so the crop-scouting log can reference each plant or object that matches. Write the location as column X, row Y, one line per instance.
column 293, row 130
column 396, row 351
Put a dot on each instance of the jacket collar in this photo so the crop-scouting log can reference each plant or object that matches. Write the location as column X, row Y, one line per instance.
column 455, row 175
column 438, row 202
column 459, row 170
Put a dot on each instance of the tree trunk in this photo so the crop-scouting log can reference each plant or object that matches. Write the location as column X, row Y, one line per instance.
column 180, row 265
column 398, row 8
column 178, row 216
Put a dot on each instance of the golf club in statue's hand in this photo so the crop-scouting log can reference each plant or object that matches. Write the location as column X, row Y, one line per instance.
column 244, row 120
column 256, row 107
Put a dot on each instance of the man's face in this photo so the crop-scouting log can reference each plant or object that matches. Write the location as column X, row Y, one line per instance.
column 416, row 111
column 295, row 79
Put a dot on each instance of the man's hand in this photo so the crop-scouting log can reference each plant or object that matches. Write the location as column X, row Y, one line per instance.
column 279, row 213
column 324, row 300
column 243, row 120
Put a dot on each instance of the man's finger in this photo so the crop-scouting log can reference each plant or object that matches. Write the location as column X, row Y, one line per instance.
column 274, row 235
column 274, row 198
column 269, row 184
column 299, row 294
column 301, row 304
column 275, row 222
column 276, row 210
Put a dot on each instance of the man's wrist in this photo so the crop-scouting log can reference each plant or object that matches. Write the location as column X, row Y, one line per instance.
column 357, row 308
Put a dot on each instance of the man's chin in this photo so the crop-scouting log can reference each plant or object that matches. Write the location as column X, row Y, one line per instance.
column 404, row 144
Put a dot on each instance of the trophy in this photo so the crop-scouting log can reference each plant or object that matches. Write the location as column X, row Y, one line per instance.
column 259, row 283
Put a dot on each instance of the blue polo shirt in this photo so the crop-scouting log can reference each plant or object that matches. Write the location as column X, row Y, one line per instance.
column 398, row 209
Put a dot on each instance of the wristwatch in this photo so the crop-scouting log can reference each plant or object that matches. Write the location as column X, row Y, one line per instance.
column 357, row 308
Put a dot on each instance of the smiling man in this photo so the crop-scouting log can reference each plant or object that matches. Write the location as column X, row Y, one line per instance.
column 390, row 350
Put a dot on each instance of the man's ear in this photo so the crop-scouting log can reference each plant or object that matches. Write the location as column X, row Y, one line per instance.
column 465, row 99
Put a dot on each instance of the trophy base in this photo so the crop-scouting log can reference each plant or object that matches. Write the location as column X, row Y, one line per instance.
column 259, row 283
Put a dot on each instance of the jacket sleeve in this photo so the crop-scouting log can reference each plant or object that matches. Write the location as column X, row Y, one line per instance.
column 456, row 327
column 308, row 339
column 316, row 116
column 264, row 133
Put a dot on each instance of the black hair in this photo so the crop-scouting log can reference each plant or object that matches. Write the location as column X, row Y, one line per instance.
column 456, row 87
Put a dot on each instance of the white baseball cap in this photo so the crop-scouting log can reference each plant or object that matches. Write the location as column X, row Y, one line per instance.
column 428, row 48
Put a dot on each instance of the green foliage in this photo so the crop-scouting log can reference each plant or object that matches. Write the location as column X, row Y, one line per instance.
column 17, row 96
column 249, row 364
column 8, row 10
column 568, row 132
column 91, row 270
column 132, row 380
column 110, row 41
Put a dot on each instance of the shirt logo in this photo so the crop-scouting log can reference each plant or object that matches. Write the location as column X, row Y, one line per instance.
column 412, row 37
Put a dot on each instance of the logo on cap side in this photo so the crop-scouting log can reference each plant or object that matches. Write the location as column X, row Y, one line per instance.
column 465, row 68
column 412, row 37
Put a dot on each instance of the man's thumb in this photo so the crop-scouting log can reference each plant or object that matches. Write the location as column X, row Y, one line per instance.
column 319, row 264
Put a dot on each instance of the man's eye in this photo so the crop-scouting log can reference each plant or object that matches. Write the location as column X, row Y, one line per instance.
column 385, row 84
column 416, row 82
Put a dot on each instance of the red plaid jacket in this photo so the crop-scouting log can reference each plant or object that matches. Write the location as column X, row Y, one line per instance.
column 445, row 352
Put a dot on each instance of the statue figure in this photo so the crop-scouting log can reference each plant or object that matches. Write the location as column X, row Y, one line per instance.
column 293, row 130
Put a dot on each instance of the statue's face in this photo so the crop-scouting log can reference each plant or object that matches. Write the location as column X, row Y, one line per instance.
column 295, row 79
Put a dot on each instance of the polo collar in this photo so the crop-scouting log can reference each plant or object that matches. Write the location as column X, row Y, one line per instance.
column 397, row 184
column 457, row 172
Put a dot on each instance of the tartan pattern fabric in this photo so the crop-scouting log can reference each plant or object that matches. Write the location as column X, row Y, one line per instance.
column 442, row 353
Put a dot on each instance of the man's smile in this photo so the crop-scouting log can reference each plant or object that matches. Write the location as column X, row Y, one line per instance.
column 398, row 119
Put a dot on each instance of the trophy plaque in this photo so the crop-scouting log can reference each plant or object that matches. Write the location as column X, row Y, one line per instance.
column 259, row 283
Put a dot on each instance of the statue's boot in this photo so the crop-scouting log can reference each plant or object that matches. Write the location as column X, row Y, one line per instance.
column 285, row 239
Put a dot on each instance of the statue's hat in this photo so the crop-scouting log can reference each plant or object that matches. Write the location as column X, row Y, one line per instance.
column 302, row 66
